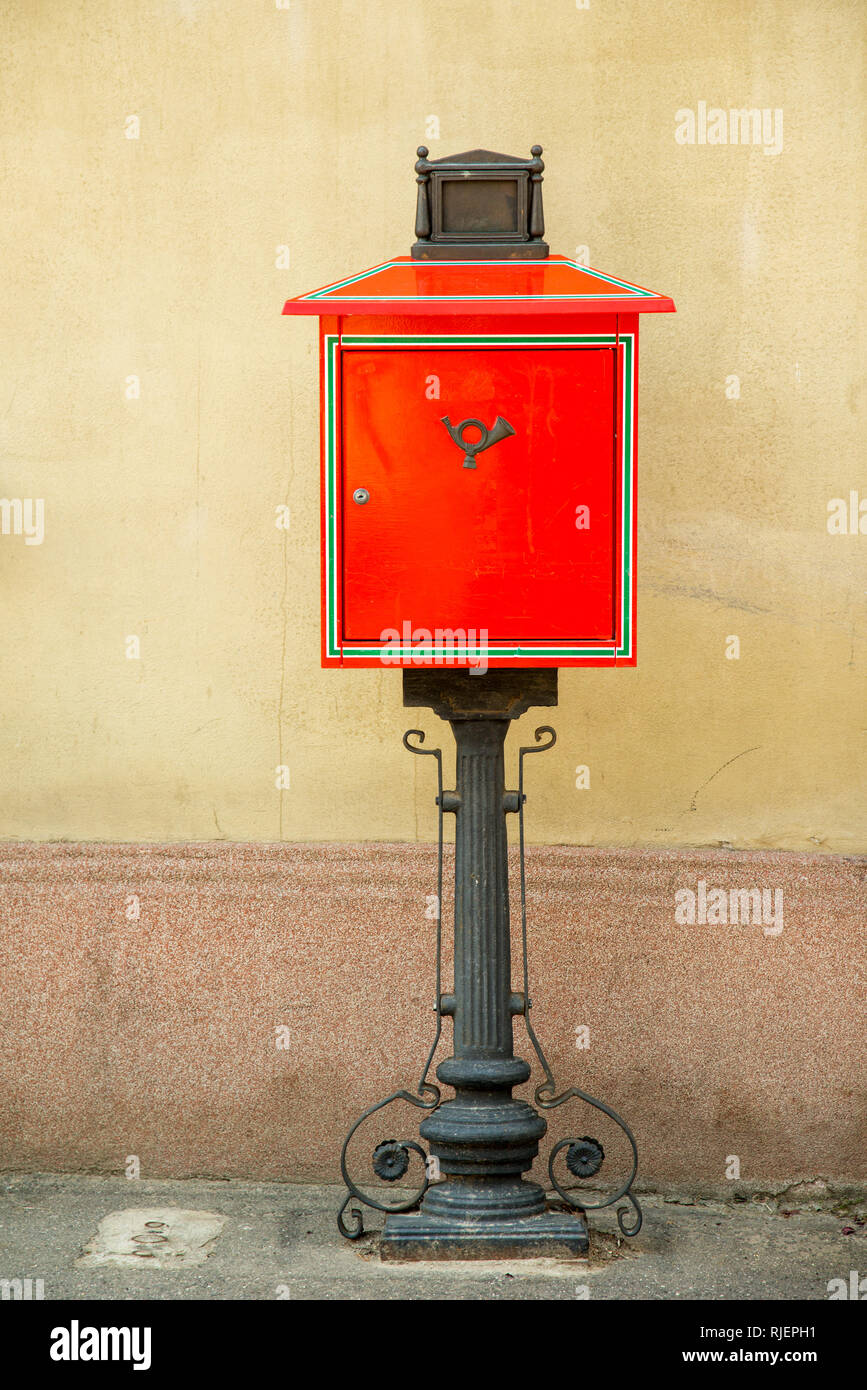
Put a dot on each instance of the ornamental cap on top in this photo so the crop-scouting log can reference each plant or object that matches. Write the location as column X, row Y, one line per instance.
column 479, row 206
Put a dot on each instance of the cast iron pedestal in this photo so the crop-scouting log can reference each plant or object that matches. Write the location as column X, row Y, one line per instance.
column 483, row 1140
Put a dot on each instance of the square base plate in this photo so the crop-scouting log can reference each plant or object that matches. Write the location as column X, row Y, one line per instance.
column 416, row 1236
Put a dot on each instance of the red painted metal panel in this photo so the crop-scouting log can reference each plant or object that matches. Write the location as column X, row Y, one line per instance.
column 481, row 324
column 493, row 548
column 556, row 285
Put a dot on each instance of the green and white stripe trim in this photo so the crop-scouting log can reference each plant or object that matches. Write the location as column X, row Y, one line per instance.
column 623, row 287
column 610, row 651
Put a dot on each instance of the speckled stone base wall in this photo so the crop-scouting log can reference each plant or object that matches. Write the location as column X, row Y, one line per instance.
column 228, row 1010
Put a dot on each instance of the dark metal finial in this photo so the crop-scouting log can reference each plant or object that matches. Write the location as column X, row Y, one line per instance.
column 422, row 205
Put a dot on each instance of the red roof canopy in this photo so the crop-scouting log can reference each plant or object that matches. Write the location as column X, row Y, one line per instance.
column 556, row 285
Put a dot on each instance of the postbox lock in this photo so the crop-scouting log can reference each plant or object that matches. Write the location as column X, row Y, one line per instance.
column 501, row 429
column 361, row 495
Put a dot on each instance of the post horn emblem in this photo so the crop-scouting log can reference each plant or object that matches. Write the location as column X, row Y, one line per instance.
column 501, row 429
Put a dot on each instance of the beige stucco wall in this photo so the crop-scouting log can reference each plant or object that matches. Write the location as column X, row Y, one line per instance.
column 156, row 258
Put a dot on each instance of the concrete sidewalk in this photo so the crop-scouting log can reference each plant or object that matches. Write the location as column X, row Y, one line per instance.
column 279, row 1240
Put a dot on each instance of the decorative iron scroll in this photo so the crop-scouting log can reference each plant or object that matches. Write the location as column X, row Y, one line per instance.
column 391, row 1158
column 585, row 1156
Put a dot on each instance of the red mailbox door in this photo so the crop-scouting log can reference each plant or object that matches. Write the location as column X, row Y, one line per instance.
column 523, row 544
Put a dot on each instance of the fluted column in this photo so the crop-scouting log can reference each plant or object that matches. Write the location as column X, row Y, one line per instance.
column 483, row 1022
column 484, row 1139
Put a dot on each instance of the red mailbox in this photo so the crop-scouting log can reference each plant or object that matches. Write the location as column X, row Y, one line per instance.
column 478, row 510
column 478, row 463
